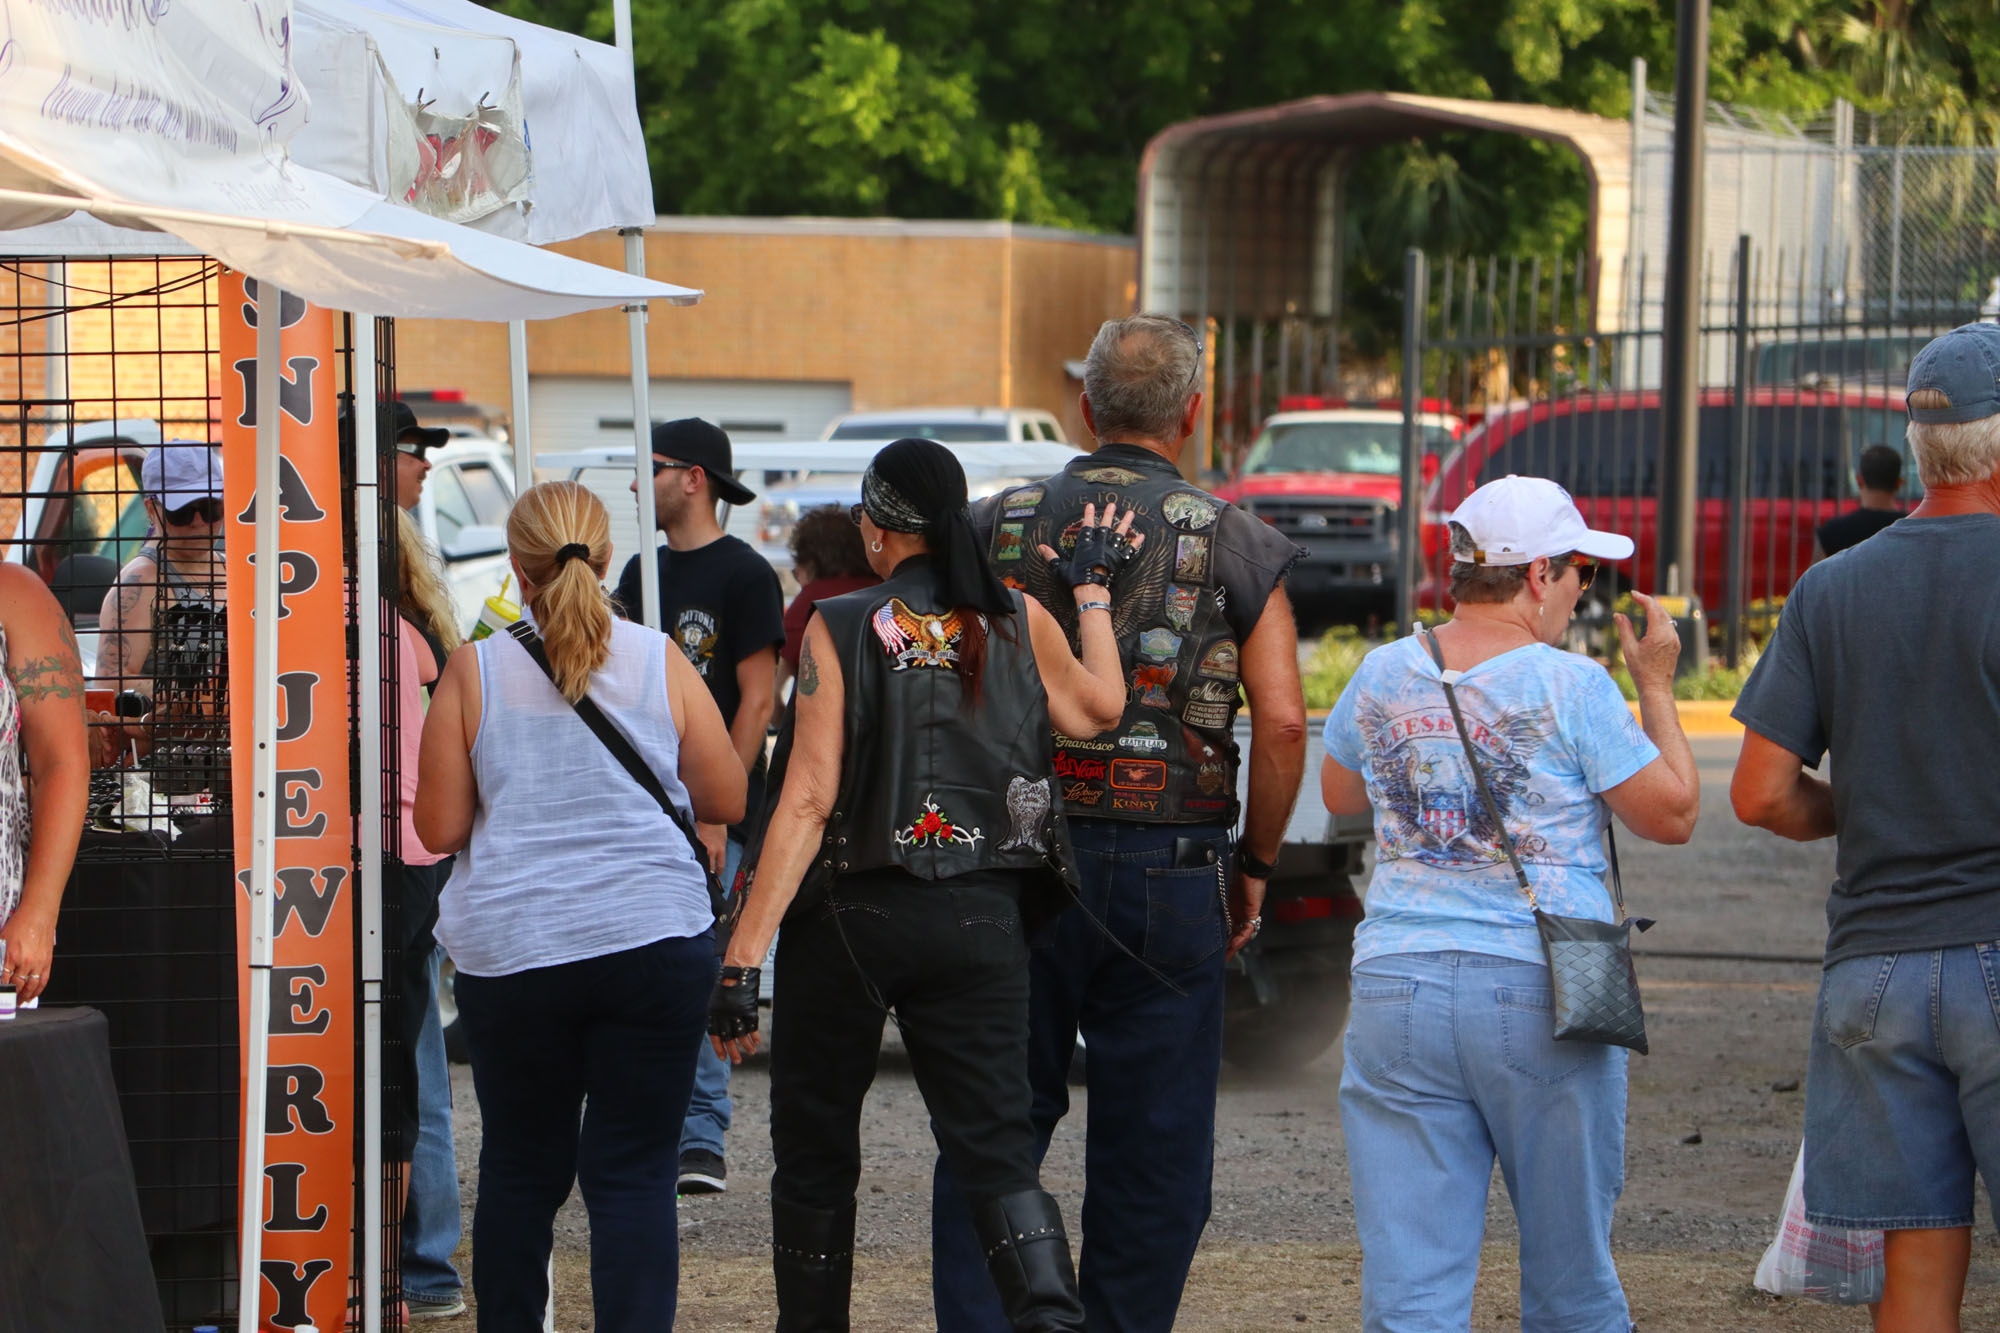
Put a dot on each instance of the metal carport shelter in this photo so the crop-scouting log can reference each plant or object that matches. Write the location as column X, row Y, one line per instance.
column 1240, row 214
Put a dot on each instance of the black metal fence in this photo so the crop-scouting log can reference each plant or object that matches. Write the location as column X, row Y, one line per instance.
column 1511, row 371
column 100, row 360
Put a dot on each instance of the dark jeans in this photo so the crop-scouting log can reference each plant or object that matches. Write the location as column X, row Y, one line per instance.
column 620, row 1030
column 948, row 957
column 1153, row 1061
column 416, row 890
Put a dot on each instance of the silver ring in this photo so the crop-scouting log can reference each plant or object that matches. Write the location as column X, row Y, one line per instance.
column 32, row 976
column 1256, row 923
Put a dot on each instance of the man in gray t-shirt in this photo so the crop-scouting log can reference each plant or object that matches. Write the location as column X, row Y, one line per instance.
column 1887, row 658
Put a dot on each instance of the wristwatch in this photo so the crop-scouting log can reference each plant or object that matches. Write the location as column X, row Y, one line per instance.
column 1251, row 866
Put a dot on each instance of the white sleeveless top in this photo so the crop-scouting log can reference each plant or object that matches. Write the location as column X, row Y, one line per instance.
column 570, row 858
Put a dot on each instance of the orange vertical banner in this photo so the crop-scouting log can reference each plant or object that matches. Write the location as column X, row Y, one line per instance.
column 309, row 1124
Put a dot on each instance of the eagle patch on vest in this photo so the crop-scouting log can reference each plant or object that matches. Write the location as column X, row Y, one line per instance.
column 933, row 828
column 918, row 640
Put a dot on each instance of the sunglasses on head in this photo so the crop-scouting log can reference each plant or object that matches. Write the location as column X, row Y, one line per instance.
column 204, row 511
column 1199, row 348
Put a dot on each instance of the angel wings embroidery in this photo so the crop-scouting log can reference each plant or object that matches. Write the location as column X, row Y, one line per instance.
column 915, row 640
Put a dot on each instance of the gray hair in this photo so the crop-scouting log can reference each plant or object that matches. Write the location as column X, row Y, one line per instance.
column 1952, row 453
column 1140, row 374
column 1473, row 582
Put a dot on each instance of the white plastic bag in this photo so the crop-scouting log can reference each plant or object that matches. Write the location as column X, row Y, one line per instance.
column 1843, row 1267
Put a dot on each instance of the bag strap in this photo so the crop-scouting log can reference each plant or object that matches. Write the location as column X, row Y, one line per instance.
column 1450, row 679
column 621, row 749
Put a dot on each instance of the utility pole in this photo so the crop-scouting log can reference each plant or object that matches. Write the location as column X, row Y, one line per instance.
column 1681, row 336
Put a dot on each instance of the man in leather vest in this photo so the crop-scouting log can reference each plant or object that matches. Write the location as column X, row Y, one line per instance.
column 1166, row 900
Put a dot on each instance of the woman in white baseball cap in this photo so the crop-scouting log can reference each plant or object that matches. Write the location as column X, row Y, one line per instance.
column 178, row 567
column 1450, row 1059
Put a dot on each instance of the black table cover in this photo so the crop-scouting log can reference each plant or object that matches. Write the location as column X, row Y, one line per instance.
column 72, row 1251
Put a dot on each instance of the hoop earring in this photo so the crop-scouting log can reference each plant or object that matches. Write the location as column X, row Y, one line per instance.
column 876, row 547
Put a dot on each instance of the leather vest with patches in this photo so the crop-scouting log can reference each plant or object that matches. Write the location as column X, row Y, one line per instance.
column 926, row 784
column 1172, row 759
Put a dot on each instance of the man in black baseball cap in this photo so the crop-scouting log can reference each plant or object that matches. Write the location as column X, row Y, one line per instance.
column 721, row 604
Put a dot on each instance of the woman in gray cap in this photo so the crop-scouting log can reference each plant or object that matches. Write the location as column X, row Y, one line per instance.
column 171, row 590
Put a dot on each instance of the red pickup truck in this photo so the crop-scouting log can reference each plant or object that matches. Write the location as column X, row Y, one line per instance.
column 1604, row 449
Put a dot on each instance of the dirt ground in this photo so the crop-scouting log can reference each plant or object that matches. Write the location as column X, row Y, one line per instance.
column 1714, row 1125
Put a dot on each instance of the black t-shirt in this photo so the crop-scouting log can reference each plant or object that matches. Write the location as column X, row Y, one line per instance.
column 719, row 603
column 1889, row 660
column 1837, row 534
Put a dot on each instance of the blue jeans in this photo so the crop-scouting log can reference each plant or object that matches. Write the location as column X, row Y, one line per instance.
column 1155, row 1059
column 1449, row 1063
column 710, row 1109
column 431, row 1226
column 574, row 1065
column 1903, row 1090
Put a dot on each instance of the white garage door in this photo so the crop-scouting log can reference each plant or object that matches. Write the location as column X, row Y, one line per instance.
column 576, row 412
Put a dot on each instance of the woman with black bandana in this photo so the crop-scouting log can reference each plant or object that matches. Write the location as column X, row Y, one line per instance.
column 918, row 836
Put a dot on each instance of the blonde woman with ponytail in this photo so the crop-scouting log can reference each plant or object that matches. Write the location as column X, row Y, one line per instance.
column 578, row 918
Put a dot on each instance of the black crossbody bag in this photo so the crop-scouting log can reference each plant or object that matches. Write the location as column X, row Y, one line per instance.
column 1593, row 988
column 621, row 749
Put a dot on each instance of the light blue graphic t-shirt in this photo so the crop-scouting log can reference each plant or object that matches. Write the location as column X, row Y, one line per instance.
column 1551, row 732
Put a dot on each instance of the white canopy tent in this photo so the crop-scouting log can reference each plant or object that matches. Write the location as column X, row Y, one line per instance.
column 167, row 130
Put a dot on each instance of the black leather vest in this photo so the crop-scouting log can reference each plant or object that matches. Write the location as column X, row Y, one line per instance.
column 927, row 784
column 1172, row 759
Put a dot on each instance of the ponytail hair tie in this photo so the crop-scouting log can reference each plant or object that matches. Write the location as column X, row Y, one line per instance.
column 572, row 551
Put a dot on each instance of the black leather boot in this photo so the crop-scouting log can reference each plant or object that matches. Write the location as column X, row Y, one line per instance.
column 1028, row 1255
column 812, row 1258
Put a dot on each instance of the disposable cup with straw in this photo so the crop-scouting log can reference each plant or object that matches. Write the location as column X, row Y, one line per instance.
column 497, row 614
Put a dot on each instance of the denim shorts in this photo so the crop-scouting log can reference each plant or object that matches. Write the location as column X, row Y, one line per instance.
column 1903, row 1090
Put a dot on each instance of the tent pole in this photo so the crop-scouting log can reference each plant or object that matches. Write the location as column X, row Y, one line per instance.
column 517, row 379
column 368, row 674
column 642, row 433
column 263, row 811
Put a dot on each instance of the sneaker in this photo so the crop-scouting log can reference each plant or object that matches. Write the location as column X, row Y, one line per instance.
column 438, row 1307
column 703, row 1172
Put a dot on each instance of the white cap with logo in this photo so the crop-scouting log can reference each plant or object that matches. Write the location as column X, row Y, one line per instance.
column 180, row 472
column 1518, row 520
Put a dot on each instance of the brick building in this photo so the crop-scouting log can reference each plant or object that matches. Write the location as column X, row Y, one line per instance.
column 805, row 318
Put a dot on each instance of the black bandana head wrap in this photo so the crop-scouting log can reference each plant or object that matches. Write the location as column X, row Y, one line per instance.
column 917, row 486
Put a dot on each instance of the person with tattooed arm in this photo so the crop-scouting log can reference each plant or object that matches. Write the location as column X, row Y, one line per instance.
column 41, row 813
column 918, row 835
column 179, row 570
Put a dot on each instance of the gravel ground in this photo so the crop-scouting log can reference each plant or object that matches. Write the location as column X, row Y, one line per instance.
column 1714, row 1124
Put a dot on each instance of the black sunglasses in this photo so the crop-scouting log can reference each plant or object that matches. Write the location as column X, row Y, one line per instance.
column 855, row 511
column 207, row 511
column 672, row 465
column 1586, row 570
column 1199, row 349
